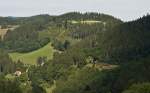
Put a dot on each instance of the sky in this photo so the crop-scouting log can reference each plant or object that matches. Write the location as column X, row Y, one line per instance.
column 124, row 9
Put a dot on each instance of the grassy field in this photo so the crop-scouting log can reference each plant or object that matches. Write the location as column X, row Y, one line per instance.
column 31, row 57
column 4, row 31
column 85, row 22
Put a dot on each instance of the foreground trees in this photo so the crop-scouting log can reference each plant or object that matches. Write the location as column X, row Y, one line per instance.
column 7, row 86
column 6, row 64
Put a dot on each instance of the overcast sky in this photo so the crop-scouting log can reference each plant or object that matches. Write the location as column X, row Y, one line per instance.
column 124, row 9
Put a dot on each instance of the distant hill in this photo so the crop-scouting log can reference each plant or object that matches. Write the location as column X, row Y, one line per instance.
column 26, row 38
column 10, row 20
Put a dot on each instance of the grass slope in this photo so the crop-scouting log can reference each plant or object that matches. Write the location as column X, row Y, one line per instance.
column 31, row 57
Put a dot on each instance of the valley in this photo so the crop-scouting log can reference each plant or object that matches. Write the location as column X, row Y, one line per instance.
column 74, row 53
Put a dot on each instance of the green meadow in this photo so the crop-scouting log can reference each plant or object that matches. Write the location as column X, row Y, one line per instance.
column 31, row 57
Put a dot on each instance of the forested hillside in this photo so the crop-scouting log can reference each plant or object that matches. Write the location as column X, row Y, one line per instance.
column 26, row 38
column 75, row 53
column 128, row 41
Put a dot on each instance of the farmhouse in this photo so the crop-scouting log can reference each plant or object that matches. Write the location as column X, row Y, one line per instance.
column 18, row 73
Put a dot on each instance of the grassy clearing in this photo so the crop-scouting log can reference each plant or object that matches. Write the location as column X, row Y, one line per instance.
column 4, row 31
column 85, row 22
column 31, row 57
column 102, row 66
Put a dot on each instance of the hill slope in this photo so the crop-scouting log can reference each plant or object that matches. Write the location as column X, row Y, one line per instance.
column 127, row 41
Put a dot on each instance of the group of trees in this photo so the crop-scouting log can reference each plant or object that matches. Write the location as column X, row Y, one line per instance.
column 61, row 46
column 25, row 38
column 41, row 60
column 8, row 86
column 114, row 81
column 87, row 16
column 6, row 64
column 81, row 31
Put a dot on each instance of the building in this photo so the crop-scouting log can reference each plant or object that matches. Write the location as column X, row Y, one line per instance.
column 18, row 73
